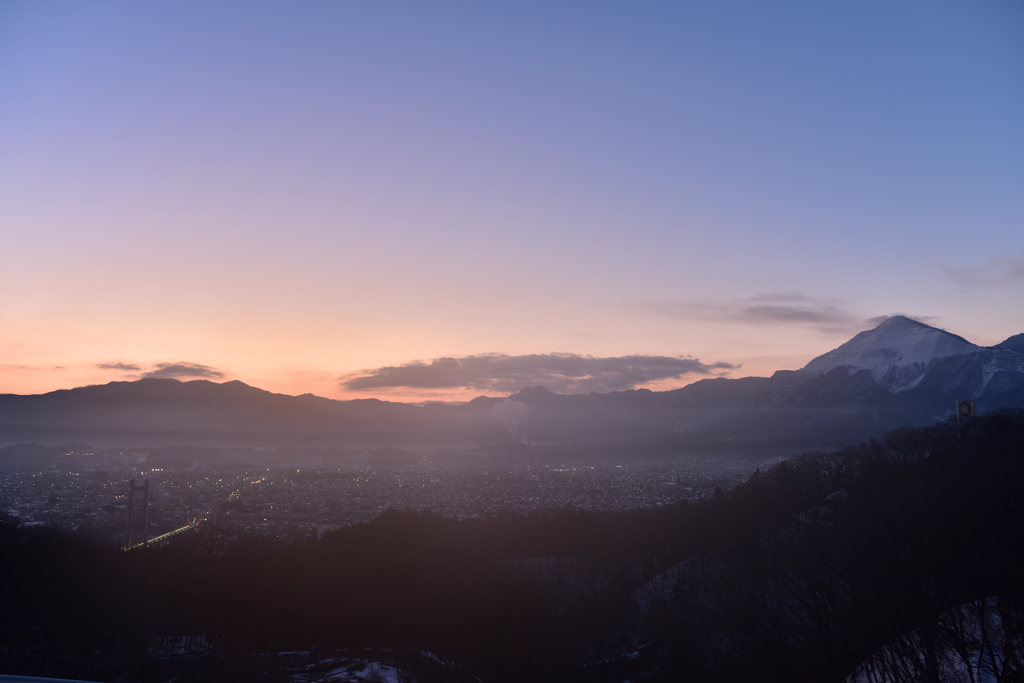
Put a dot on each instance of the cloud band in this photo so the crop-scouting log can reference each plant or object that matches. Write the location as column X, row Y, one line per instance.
column 558, row 372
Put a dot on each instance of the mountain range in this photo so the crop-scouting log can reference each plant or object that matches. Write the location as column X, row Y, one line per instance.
column 901, row 373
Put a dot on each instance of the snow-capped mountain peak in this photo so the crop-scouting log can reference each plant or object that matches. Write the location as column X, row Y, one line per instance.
column 897, row 352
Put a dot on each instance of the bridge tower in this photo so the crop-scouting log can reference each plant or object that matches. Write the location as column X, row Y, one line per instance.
column 132, row 488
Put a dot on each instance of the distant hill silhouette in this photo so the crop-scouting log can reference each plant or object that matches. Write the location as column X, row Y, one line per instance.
column 1014, row 343
column 901, row 373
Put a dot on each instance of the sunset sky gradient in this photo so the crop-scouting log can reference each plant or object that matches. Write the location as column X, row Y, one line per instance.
column 300, row 195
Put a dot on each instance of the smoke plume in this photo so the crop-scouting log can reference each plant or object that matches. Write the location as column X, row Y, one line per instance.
column 511, row 413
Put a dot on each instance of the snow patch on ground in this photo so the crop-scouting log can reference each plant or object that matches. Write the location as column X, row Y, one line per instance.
column 366, row 672
column 967, row 646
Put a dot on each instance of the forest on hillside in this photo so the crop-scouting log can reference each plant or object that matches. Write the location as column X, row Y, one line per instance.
column 895, row 560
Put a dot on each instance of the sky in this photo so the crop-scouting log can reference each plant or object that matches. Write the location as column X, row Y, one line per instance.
column 433, row 201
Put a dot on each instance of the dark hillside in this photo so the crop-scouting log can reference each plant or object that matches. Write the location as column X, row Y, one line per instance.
column 803, row 573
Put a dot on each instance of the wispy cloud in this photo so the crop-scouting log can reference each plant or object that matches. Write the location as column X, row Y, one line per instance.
column 926, row 319
column 773, row 308
column 127, row 367
column 777, row 308
column 176, row 370
column 558, row 372
column 997, row 272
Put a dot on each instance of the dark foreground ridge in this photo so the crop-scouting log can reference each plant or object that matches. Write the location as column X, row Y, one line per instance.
column 901, row 556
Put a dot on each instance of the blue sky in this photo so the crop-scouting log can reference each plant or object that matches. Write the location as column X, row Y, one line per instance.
column 293, row 193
